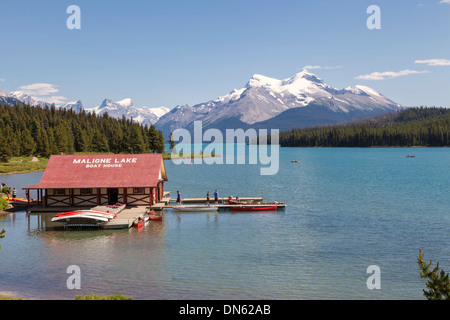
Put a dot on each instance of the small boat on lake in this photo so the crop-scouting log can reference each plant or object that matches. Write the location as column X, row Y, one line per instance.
column 139, row 222
column 20, row 201
column 156, row 218
column 295, row 161
column 199, row 208
column 254, row 208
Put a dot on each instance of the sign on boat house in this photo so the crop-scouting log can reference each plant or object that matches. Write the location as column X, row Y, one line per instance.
column 91, row 180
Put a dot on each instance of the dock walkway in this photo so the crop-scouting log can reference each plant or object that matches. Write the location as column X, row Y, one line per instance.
column 125, row 218
column 221, row 200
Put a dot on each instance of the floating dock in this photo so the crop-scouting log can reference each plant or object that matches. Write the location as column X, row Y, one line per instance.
column 221, row 200
column 126, row 216
column 224, row 205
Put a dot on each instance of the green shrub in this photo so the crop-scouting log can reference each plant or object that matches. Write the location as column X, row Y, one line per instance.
column 3, row 204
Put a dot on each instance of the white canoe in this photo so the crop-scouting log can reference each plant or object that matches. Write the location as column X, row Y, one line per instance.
column 81, row 216
column 195, row 208
column 86, row 214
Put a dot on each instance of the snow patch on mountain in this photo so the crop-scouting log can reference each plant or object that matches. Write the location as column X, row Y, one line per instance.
column 125, row 107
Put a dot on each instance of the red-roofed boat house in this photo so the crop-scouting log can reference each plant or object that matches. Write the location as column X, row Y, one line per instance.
column 91, row 180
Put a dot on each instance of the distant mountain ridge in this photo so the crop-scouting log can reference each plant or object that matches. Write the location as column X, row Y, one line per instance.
column 282, row 104
column 115, row 109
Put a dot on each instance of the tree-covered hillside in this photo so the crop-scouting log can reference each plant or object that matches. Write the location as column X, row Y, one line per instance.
column 419, row 126
column 27, row 130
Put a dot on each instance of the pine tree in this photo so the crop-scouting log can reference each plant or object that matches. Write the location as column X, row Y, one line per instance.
column 438, row 284
column 27, row 144
column 153, row 137
column 99, row 142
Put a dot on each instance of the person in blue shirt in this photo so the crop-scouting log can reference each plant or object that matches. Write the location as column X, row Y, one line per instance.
column 216, row 197
column 178, row 198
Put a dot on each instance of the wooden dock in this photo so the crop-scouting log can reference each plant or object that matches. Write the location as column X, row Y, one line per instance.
column 125, row 218
column 279, row 205
column 211, row 201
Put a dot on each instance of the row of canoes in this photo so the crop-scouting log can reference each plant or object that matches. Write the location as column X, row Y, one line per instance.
column 100, row 216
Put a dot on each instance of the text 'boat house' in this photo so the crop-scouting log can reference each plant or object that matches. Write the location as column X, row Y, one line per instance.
column 92, row 180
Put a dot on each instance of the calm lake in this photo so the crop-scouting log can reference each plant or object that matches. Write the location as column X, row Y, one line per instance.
column 347, row 209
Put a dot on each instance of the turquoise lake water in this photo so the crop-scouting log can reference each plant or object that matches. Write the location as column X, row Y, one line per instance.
column 347, row 209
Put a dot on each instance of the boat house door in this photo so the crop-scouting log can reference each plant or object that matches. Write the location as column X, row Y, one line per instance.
column 113, row 196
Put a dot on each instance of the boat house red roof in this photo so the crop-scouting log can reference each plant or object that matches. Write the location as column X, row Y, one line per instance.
column 103, row 171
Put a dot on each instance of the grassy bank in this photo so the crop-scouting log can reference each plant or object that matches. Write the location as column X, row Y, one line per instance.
column 4, row 297
column 22, row 165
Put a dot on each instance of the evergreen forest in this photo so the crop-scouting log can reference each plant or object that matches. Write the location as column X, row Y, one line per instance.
column 43, row 131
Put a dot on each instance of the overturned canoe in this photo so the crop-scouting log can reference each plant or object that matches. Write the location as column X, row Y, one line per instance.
column 84, row 214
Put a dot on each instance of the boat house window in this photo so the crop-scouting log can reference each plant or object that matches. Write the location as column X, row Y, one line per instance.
column 86, row 192
column 138, row 190
column 60, row 192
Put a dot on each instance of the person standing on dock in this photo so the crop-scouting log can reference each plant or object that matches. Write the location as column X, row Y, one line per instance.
column 178, row 198
column 14, row 193
column 207, row 198
column 216, row 197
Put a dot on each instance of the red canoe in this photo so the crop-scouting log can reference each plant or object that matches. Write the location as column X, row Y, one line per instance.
column 20, row 201
column 156, row 218
column 256, row 208
column 138, row 223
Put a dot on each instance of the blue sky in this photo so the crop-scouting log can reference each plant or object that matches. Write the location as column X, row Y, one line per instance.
column 166, row 53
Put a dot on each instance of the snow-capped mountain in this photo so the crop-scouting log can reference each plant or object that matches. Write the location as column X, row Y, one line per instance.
column 6, row 98
column 76, row 106
column 19, row 95
column 125, row 107
column 144, row 116
column 264, row 98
